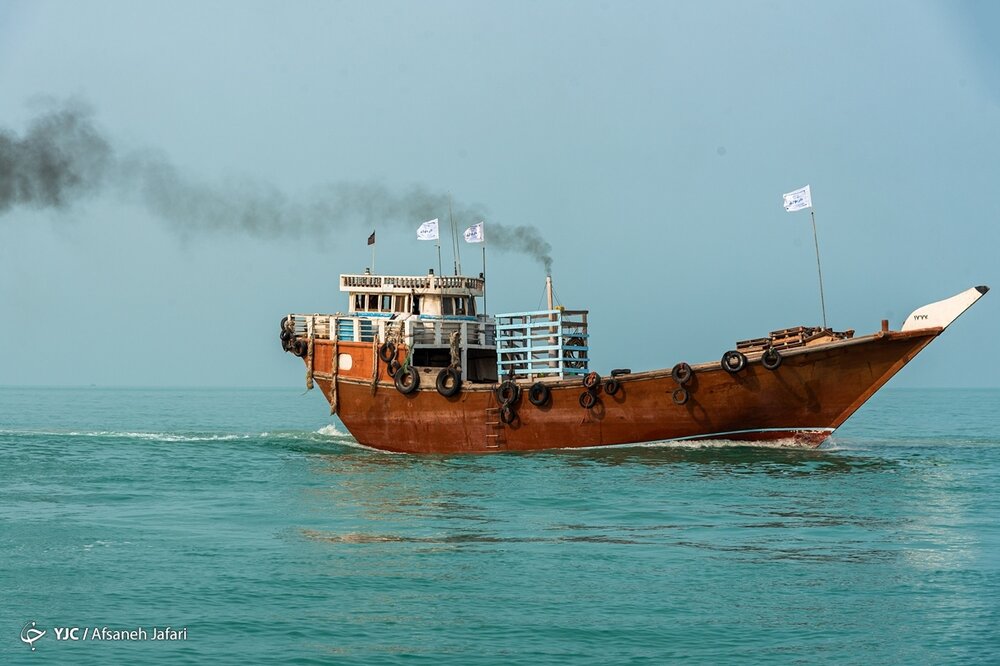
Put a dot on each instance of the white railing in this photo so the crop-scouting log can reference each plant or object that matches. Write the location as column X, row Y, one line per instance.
column 546, row 343
column 384, row 282
column 416, row 332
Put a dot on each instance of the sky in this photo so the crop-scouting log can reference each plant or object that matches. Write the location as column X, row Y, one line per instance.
column 648, row 143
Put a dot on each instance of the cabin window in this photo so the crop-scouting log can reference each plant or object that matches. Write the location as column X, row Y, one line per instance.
column 416, row 305
column 359, row 302
column 386, row 303
column 447, row 306
column 372, row 302
column 460, row 306
column 400, row 304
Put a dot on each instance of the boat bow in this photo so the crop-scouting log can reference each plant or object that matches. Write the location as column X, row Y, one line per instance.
column 943, row 313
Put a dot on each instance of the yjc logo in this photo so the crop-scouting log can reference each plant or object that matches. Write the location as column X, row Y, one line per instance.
column 29, row 634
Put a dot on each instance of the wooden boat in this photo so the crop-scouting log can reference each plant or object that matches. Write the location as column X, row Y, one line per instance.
column 413, row 367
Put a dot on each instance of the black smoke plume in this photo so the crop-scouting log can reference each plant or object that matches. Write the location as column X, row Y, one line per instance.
column 63, row 157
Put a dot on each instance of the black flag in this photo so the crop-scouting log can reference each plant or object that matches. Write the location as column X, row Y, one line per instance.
column 371, row 239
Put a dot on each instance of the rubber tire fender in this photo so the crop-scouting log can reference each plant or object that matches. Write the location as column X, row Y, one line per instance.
column 442, row 382
column 682, row 373
column 733, row 361
column 400, row 379
column 508, row 392
column 771, row 358
column 393, row 367
column 612, row 386
column 539, row 394
column 591, row 380
column 508, row 414
column 387, row 352
column 588, row 399
column 680, row 396
column 300, row 348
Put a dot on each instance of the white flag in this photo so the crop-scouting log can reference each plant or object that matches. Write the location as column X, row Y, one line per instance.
column 475, row 234
column 428, row 230
column 799, row 199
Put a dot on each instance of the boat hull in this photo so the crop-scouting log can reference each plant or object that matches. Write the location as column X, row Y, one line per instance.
column 811, row 393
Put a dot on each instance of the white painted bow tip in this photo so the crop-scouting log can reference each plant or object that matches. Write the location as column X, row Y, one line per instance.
column 943, row 313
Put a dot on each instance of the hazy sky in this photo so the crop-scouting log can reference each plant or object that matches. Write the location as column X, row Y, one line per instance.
column 648, row 142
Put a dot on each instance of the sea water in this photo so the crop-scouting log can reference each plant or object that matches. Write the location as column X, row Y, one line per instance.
column 254, row 524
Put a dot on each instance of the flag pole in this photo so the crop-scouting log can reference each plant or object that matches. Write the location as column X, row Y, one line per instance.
column 822, row 299
column 373, row 255
column 440, row 270
column 454, row 240
column 485, row 311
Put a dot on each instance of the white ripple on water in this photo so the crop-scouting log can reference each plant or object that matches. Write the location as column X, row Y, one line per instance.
column 146, row 436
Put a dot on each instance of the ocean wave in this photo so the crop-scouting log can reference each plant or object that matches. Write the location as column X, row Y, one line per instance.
column 331, row 431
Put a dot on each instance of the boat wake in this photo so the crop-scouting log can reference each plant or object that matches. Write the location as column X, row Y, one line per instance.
column 144, row 436
column 784, row 443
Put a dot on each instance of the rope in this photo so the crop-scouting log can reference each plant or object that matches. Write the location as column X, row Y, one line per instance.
column 309, row 364
column 334, row 372
column 456, row 354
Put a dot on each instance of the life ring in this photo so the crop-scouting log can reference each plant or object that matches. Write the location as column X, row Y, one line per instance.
column 508, row 392
column 449, row 388
column 612, row 386
column 401, row 378
column 591, row 380
column 680, row 396
column 588, row 399
column 770, row 359
column 300, row 348
column 393, row 367
column 682, row 373
column 734, row 361
column 387, row 352
column 508, row 414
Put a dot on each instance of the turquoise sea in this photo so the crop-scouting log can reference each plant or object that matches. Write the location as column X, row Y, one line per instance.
column 250, row 519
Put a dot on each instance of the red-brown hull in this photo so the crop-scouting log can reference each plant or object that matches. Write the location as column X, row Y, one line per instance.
column 813, row 392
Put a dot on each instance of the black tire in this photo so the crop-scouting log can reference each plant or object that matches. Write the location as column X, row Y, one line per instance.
column 508, row 414
column 539, row 394
column 770, row 359
column 284, row 322
column 575, row 354
column 733, row 361
column 682, row 373
column 285, row 335
column 393, row 367
column 612, row 386
column 407, row 380
column 508, row 392
column 300, row 348
column 387, row 352
column 680, row 396
column 591, row 380
column 444, row 387
column 588, row 399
